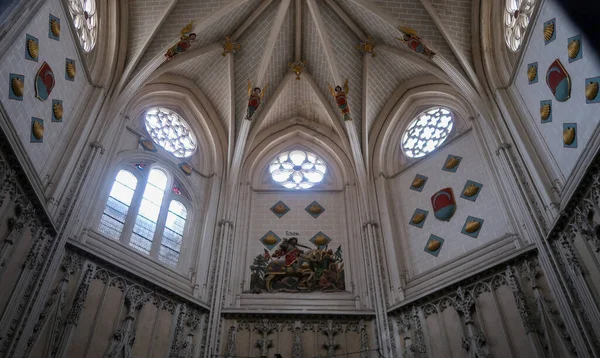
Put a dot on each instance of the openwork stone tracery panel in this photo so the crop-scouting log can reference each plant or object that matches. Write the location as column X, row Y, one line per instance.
column 63, row 317
column 297, row 337
column 516, row 282
column 169, row 130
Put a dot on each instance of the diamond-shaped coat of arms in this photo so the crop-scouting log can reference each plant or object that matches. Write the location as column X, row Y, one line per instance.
column 320, row 240
column 280, row 209
column 314, row 209
column 270, row 240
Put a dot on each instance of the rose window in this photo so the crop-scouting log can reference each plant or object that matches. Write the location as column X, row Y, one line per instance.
column 517, row 14
column 297, row 169
column 85, row 21
column 170, row 131
column 427, row 132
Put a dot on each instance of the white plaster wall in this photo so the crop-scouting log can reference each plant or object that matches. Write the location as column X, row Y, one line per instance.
column 54, row 52
column 574, row 110
column 472, row 167
column 331, row 222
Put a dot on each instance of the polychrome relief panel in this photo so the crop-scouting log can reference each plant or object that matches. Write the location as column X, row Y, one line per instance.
column 294, row 267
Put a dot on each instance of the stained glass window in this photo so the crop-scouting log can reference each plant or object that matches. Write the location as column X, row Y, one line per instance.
column 170, row 245
column 427, row 132
column 85, row 21
column 517, row 15
column 157, row 216
column 117, row 206
column 170, row 131
column 145, row 223
column 297, row 169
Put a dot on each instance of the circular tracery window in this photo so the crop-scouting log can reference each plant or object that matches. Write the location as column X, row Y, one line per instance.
column 170, row 131
column 517, row 14
column 427, row 132
column 297, row 169
column 85, row 21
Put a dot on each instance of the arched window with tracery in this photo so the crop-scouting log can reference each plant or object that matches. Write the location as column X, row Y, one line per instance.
column 297, row 169
column 146, row 211
column 517, row 15
column 85, row 21
column 427, row 132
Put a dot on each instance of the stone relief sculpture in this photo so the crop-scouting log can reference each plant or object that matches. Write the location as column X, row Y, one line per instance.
column 290, row 269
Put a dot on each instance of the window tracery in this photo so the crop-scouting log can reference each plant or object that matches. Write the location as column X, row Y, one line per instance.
column 83, row 13
column 297, row 169
column 427, row 132
column 170, row 131
column 517, row 15
column 145, row 214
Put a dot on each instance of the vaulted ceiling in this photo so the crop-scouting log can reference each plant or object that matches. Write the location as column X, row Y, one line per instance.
column 322, row 33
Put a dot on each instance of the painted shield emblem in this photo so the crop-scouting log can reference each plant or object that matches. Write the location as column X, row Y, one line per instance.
column 44, row 82
column 558, row 80
column 443, row 204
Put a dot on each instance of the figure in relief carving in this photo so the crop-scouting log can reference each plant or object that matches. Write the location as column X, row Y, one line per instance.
column 291, row 269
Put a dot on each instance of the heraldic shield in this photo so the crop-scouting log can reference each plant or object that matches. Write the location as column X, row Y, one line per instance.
column 44, row 82
column 443, row 204
column 557, row 78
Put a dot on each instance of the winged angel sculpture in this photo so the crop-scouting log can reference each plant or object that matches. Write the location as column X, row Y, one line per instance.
column 255, row 97
column 414, row 42
column 186, row 37
column 340, row 94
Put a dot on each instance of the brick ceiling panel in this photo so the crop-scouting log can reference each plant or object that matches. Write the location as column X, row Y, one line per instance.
column 371, row 24
column 143, row 16
column 386, row 74
column 348, row 60
column 411, row 13
column 247, row 61
column 188, row 10
column 283, row 52
column 210, row 72
column 456, row 18
column 297, row 100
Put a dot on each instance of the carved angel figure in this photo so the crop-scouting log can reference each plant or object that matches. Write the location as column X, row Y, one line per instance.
column 186, row 37
column 255, row 97
column 340, row 94
column 414, row 42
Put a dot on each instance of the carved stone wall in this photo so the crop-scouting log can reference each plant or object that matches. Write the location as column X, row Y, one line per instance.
column 95, row 311
column 507, row 312
column 298, row 336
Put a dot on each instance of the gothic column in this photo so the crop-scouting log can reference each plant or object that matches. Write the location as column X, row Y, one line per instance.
column 373, row 264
